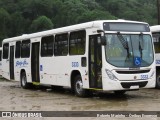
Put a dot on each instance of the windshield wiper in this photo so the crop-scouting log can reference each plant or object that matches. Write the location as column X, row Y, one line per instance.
column 123, row 42
column 141, row 45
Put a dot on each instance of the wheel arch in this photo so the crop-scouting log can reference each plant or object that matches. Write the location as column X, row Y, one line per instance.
column 22, row 71
column 74, row 73
column 24, row 83
column 157, row 69
column 158, row 77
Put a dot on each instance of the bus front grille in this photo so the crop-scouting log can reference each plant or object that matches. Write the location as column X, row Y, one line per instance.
column 133, row 72
column 129, row 84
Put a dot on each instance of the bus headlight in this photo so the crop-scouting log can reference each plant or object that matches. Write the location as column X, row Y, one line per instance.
column 111, row 75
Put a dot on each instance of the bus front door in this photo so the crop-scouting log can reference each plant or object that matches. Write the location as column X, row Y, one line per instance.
column 35, row 62
column 95, row 62
column 11, row 62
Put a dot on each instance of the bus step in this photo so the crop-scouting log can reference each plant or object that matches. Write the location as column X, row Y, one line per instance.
column 36, row 83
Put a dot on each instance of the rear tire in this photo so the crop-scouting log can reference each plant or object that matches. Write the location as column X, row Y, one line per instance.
column 158, row 80
column 78, row 87
column 24, row 83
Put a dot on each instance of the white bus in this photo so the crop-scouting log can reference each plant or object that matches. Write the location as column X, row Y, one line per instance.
column 108, row 55
column 156, row 39
column 0, row 61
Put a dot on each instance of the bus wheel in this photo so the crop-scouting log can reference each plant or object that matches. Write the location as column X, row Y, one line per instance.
column 120, row 92
column 158, row 80
column 78, row 87
column 24, row 83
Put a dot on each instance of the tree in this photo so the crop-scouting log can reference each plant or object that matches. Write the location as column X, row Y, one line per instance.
column 4, row 23
column 95, row 15
column 19, row 24
column 40, row 24
column 68, row 12
column 25, row 16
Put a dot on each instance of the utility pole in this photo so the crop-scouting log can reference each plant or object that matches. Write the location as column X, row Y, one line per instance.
column 158, row 10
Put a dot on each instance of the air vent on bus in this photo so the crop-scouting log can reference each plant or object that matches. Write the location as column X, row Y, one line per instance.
column 129, row 84
column 133, row 72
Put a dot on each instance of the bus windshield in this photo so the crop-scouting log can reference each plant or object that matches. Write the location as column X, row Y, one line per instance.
column 128, row 50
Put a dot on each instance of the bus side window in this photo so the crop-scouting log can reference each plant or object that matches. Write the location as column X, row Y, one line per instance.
column 156, row 39
column 5, row 50
column 61, row 45
column 18, row 49
column 47, row 46
column 25, row 49
column 77, row 42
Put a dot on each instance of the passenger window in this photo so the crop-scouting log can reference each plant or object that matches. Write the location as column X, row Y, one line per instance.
column 61, row 45
column 5, row 50
column 18, row 49
column 77, row 43
column 47, row 46
column 156, row 39
column 25, row 49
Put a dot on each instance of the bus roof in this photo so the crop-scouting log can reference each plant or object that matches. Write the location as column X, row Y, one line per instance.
column 96, row 24
column 155, row 28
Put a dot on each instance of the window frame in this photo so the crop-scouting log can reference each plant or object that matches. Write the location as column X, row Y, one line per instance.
column 23, row 54
column 43, row 54
column 156, row 36
column 5, row 56
column 84, row 50
column 55, row 42
column 19, row 53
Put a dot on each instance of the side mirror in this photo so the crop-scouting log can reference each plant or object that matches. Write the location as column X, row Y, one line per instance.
column 102, row 39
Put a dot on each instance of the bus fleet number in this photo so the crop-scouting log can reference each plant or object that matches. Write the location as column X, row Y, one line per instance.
column 75, row 64
column 144, row 77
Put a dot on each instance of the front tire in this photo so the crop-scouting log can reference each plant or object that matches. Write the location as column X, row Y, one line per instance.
column 24, row 83
column 158, row 80
column 78, row 87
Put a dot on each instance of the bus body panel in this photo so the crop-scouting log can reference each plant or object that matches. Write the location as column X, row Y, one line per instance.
column 22, row 64
column 53, row 72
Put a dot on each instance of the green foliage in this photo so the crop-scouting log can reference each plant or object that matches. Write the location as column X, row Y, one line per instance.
column 95, row 15
column 19, row 17
column 40, row 24
column 4, row 23
column 18, row 24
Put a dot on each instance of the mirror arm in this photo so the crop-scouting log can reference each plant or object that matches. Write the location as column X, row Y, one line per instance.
column 101, row 31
